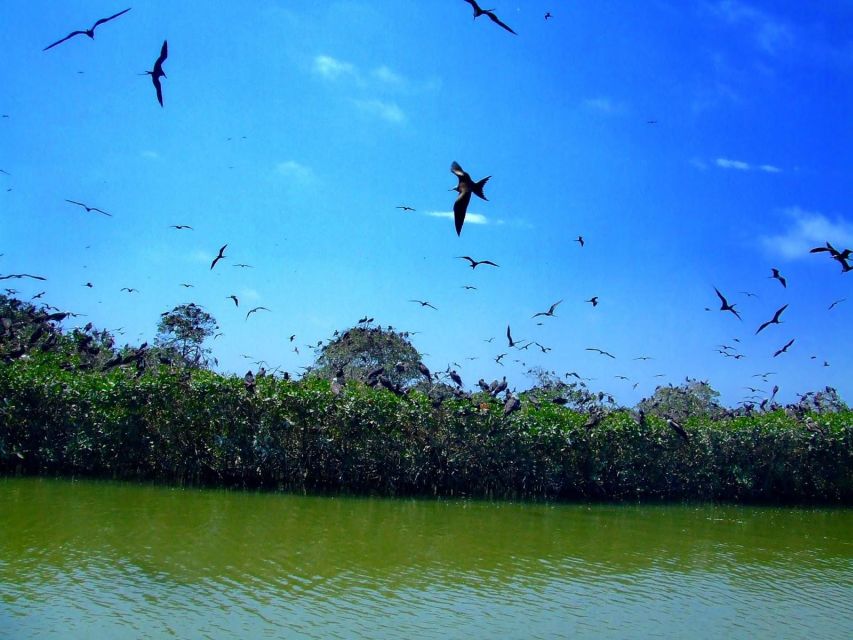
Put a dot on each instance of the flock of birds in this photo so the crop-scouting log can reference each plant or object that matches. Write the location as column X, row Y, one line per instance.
column 466, row 187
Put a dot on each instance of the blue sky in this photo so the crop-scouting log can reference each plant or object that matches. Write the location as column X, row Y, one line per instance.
column 292, row 130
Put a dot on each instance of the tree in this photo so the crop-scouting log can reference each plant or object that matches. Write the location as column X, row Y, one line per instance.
column 693, row 398
column 182, row 332
column 547, row 387
column 360, row 350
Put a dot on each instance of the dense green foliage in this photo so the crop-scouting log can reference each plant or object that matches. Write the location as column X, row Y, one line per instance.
column 196, row 426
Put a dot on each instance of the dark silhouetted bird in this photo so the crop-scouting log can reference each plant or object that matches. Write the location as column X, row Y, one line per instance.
column 158, row 72
column 86, row 32
column 251, row 311
column 219, row 257
column 21, row 275
column 465, row 188
column 130, row 289
column 785, row 348
column 474, row 263
column 580, row 241
column 778, row 276
column 88, row 208
column 604, row 353
column 512, row 404
column 593, row 300
column 488, row 12
column 456, row 379
column 774, row 320
column 234, row 298
column 835, row 303
column 843, row 257
column 180, row 226
column 424, row 303
column 550, row 311
column 725, row 306
column 678, row 429
column 405, row 208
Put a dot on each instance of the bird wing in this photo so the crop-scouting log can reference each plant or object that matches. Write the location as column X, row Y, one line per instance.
column 164, row 53
column 69, row 36
column 553, row 306
column 159, row 89
column 460, row 207
column 489, row 262
column 721, row 297
column 779, row 313
column 77, row 203
column 215, row 260
column 103, row 20
column 473, row 4
column 763, row 326
column 101, row 211
column 455, row 168
column 498, row 22
column 508, row 335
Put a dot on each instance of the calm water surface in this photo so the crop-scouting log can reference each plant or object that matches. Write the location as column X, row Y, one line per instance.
column 109, row 560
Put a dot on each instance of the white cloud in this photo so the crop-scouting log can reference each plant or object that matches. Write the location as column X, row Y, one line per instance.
column 770, row 34
column 603, row 105
column 249, row 294
column 150, row 155
column 470, row 218
column 386, row 75
column 725, row 163
column 769, row 168
column 386, row 110
column 292, row 169
column 699, row 163
column 809, row 229
column 332, row 68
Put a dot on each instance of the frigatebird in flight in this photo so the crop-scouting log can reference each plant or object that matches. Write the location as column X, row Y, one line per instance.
column 219, row 257
column 86, row 32
column 785, row 348
column 405, row 208
column 774, row 320
column 88, row 208
column 21, row 275
column 512, row 342
column 424, row 303
column 593, row 300
column 550, row 311
column 604, row 353
column 843, row 257
column 180, row 226
column 580, row 241
column 234, row 298
column 251, row 311
column 158, row 72
column 488, row 12
column 474, row 263
column 725, row 304
column 465, row 188
column 778, row 276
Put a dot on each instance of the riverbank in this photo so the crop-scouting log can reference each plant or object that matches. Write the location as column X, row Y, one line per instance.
column 202, row 428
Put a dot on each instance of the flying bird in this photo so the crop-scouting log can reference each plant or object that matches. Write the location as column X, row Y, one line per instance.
column 835, row 303
column 180, row 226
column 87, row 32
column 468, row 287
column 550, row 311
column 774, row 320
column 604, row 353
column 785, row 348
column 424, row 303
column 244, row 266
column 778, row 276
column 251, row 311
column 593, row 300
column 488, row 12
column 186, row 285
column 234, row 298
column 474, row 263
column 842, row 257
column 88, row 208
column 219, row 257
column 725, row 306
column 158, row 72
column 406, row 208
column 548, row 15
column 512, row 342
column 465, row 188
column 21, row 275
column 130, row 290
column 580, row 241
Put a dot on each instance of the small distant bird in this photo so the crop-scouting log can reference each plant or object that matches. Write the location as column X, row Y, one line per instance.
column 550, row 311
column 219, row 257
column 778, row 276
column 87, row 32
column 500, row 357
column 593, row 300
column 244, row 265
column 474, row 263
column 488, row 12
column 785, row 348
column 234, row 298
column 130, row 289
column 21, row 275
column 651, row 121
column 424, row 303
column 604, row 353
column 725, row 306
column 548, row 15
column 251, row 311
column 468, row 287
column 580, row 241
column 465, row 188
column 512, row 342
column 835, row 303
column 89, row 285
column 748, row 294
column 644, row 358
column 158, row 72
column 180, row 226
column 187, row 286
column 88, row 208
column 405, row 208
column 5, row 172
column 292, row 337
column 774, row 320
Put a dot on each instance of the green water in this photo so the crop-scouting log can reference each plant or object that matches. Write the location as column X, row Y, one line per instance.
column 110, row 560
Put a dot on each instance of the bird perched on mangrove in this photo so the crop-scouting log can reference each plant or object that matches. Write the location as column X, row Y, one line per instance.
column 87, row 32
column 455, row 377
column 158, row 72
column 465, row 187
column 488, row 12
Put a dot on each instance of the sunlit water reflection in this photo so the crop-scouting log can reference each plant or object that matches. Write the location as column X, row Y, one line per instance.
column 98, row 559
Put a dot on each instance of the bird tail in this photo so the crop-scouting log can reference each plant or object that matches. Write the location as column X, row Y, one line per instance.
column 478, row 187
